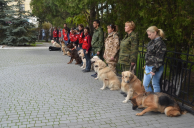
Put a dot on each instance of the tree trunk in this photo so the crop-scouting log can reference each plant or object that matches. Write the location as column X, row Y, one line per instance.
column 92, row 18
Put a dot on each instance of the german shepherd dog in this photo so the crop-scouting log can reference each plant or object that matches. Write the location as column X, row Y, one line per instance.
column 64, row 48
column 158, row 102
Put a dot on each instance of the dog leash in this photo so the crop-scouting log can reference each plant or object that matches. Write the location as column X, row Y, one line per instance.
column 147, row 74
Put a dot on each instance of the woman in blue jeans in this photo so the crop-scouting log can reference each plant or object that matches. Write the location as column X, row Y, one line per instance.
column 154, row 58
column 86, row 46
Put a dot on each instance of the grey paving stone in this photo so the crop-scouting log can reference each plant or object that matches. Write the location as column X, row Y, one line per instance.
column 40, row 89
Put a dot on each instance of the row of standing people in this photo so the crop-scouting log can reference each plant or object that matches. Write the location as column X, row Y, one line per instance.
column 124, row 52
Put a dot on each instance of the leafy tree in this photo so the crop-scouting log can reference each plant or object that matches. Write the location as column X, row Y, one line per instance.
column 4, row 19
column 175, row 17
column 20, row 31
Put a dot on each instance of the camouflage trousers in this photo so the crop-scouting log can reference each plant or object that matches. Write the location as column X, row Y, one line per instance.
column 112, row 66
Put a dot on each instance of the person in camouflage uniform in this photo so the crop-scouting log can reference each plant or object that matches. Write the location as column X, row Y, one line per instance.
column 97, row 41
column 154, row 58
column 128, row 47
column 111, row 47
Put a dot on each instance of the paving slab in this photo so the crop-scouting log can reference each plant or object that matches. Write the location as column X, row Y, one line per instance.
column 38, row 89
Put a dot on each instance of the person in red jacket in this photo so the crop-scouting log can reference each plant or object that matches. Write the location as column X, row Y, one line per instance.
column 86, row 46
column 74, row 38
column 71, row 35
column 65, row 36
column 81, row 35
column 55, row 35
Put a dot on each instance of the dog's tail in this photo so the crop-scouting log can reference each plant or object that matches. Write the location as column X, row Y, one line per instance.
column 124, row 94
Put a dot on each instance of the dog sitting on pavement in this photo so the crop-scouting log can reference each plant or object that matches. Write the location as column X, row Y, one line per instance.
column 106, row 75
column 64, row 48
column 81, row 54
column 93, row 60
column 158, row 102
column 74, row 55
column 131, row 85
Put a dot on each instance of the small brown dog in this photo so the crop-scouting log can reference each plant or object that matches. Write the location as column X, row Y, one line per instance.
column 158, row 102
column 74, row 55
column 131, row 85
column 106, row 75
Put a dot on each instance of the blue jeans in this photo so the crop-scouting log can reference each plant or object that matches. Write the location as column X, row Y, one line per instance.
column 155, row 79
column 88, row 61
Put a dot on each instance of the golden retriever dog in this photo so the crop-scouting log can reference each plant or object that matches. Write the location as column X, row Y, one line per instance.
column 107, row 76
column 131, row 85
column 93, row 60
column 55, row 44
column 81, row 54
column 157, row 102
column 64, row 48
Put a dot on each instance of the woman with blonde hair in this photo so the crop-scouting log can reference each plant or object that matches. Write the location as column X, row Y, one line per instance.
column 111, row 47
column 128, row 47
column 154, row 58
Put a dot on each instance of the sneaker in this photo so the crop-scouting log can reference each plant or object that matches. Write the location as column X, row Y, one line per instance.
column 94, row 75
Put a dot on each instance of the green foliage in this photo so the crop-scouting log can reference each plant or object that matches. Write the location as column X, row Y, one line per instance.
column 175, row 17
column 14, row 27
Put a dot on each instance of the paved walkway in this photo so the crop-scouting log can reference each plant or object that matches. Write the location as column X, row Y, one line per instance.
column 39, row 89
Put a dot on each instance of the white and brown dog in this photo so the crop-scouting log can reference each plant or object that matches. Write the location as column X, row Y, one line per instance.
column 81, row 54
column 55, row 44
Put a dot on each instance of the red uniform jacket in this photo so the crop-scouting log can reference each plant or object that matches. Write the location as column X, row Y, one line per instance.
column 59, row 33
column 80, row 38
column 55, row 33
column 65, row 36
column 72, row 37
column 87, row 42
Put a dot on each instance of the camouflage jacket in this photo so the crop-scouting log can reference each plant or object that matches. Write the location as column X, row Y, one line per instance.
column 98, row 39
column 128, row 49
column 156, row 50
column 111, row 47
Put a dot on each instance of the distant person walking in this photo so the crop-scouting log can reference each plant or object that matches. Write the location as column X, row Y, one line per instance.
column 43, row 34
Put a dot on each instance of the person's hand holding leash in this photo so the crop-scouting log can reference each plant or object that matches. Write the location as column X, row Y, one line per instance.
column 152, row 73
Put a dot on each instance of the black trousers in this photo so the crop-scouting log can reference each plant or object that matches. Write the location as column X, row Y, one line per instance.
column 56, row 39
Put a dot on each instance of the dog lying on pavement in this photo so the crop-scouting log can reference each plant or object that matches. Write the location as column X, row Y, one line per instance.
column 158, row 102
column 55, row 44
